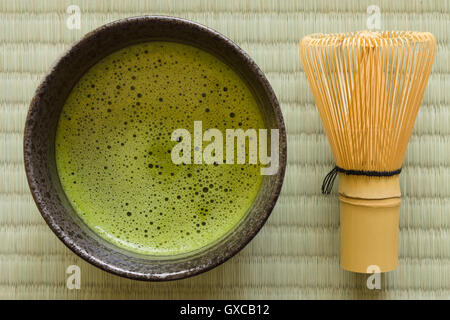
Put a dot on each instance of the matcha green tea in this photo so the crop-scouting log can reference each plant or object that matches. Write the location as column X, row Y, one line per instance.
column 113, row 148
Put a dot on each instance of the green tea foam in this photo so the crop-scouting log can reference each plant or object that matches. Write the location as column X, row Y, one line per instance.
column 113, row 148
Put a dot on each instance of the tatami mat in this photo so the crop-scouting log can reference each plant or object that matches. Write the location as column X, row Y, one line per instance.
column 296, row 255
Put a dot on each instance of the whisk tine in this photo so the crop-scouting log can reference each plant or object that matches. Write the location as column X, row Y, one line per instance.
column 368, row 87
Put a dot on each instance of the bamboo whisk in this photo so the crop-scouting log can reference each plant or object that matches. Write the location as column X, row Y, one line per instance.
column 368, row 87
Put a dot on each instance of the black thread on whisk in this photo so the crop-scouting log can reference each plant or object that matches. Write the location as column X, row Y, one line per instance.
column 328, row 181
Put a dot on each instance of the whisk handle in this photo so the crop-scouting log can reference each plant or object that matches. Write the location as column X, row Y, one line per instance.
column 369, row 218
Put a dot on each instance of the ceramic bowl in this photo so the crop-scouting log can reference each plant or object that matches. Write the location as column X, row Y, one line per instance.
column 39, row 148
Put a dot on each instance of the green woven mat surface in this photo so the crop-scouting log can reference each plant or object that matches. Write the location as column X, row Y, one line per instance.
column 296, row 254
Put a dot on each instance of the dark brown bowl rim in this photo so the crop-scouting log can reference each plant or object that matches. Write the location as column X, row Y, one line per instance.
column 70, row 241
